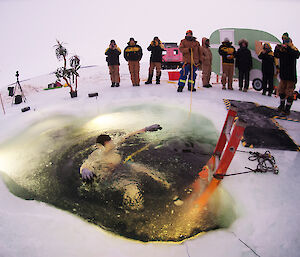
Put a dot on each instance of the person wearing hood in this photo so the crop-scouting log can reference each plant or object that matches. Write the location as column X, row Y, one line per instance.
column 189, row 47
column 287, row 54
column 133, row 54
column 113, row 52
column 268, row 68
column 156, row 48
column 244, row 64
column 227, row 51
column 206, row 62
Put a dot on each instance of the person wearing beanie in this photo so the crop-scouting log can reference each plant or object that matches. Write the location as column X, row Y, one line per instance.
column 227, row 51
column 113, row 52
column 156, row 48
column 133, row 54
column 287, row 54
column 244, row 64
column 268, row 68
column 206, row 62
column 189, row 47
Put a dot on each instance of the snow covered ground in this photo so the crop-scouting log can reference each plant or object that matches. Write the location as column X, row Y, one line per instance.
column 267, row 204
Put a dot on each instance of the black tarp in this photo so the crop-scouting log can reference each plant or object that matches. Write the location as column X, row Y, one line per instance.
column 262, row 130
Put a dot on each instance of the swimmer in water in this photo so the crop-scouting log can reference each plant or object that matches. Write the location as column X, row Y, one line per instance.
column 106, row 158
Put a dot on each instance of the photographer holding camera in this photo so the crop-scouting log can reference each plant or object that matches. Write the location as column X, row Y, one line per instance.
column 113, row 52
column 287, row 54
column 156, row 48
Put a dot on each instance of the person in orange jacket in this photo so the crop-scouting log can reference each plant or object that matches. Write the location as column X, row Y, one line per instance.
column 206, row 62
column 189, row 46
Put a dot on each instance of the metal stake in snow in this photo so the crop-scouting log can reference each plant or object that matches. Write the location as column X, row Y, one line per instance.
column 2, row 104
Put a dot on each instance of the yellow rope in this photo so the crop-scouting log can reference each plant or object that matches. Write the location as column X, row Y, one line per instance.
column 135, row 153
column 192, row 79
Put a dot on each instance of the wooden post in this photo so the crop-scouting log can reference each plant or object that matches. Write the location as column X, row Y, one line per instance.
column 2, row 104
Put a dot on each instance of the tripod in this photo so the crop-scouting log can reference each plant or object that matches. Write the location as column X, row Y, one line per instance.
column 16, row 87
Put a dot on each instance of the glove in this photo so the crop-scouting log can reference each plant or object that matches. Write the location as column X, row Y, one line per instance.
column 87, row 174
column 154, row 127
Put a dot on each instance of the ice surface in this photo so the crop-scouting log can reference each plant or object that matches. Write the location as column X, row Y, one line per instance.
column 268, row 205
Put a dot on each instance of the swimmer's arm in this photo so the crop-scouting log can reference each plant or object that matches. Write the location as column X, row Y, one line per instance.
column 132, row 134
column 151, row 128
column 88, row 163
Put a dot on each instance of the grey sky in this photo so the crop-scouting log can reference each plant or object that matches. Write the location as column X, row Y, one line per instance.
column 29, row 28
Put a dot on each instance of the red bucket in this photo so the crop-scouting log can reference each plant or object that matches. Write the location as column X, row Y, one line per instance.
column 174, row 75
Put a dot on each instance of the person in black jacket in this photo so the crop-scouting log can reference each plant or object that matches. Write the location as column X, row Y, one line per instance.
column 288, row 55
column 244, row 64
column 133, row 54
column 156, row 47
column 113, row 52
column 267, row 67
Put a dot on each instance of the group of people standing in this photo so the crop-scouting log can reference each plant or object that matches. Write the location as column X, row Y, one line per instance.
column 133, row 53
column 196, row 56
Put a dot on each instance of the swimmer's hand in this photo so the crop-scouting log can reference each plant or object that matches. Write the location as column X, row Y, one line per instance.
column 153, row 127
column 87, row 174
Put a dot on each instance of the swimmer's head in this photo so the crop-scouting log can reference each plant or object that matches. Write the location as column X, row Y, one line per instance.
column 102, row 139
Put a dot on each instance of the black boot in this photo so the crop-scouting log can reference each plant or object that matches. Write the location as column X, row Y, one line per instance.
column 193, row 89
column 289, row 102
column 117, row 84
column 158, row 78
column 264, row 92
column 113, row 84
column 282, row 102
column 149, row 81
column 180, row 88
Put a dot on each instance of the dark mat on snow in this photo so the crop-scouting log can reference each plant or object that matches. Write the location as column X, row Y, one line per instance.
column 262, row 130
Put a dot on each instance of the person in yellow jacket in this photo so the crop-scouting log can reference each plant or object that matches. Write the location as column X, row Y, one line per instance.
column 133, row 54
column 227, row 51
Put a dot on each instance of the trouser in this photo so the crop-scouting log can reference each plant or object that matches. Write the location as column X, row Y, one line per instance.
column 184, row 73
column 155, row 65
column 134, row 69
column 206, row 72
column 227, row 74
column 268, row 82
column 114, row 73
column 244, row 74
column 286, row 87
column 286, row 91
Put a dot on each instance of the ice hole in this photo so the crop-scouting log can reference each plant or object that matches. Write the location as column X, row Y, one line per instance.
column 143, row 199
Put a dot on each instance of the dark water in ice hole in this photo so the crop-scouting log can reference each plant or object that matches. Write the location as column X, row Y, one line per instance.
column 50, row 153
